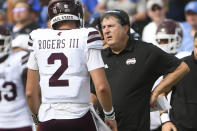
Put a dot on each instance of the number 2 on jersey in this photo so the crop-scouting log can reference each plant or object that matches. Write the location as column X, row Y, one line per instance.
column 54, row 80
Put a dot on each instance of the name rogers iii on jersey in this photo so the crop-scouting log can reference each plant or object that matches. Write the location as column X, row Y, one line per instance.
column 57, row 43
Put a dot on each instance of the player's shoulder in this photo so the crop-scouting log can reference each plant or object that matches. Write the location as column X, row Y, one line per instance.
column 93, row 38
column 20, row 53
column 19, row 57
column 89, row 30
column 92, row 33
column 40, row 32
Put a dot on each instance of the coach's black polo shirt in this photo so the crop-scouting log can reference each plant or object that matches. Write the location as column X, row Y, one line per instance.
column 184, row 99
column 131, row 75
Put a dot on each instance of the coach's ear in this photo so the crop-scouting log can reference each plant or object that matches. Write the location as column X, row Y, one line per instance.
column 127, row 29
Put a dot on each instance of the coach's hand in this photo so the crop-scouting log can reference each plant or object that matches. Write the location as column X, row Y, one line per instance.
column 168, row 126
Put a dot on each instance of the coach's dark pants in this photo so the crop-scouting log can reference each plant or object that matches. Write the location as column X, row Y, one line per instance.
column 85, row 123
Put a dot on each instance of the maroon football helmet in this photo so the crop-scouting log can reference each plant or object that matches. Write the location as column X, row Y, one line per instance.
column 62, row 10
column 169, row 36
column 5, row 41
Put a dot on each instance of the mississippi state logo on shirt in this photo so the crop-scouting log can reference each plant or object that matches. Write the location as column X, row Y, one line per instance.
column 130, row 61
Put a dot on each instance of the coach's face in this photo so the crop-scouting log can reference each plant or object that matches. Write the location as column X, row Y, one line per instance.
column 114, row 33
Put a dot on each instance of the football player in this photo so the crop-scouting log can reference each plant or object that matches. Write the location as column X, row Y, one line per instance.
column 61, row 62
column 14, row 111
column 168, row 37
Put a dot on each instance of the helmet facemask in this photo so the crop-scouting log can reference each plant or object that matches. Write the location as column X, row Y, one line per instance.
column 5, row 45
column 169, row 39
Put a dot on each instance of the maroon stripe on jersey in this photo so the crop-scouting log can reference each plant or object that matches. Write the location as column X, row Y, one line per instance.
column 94, row 39
column 25, row 56
column 30, row 43
column 93, row 33
column 24, row 62
column 30, row 38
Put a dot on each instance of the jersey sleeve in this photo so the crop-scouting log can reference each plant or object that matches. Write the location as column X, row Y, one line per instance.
column 94, row 40
column 93, row 50
column 32, row 35
column 94, row 59
column 32, row 62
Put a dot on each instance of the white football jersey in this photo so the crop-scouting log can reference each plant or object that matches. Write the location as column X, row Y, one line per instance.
column 63, row 60
column 14, row 112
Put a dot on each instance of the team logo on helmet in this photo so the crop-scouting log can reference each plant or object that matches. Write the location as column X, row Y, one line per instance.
column 54, row 10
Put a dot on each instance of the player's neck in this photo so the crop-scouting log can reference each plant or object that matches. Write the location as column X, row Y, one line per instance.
column 67, row 27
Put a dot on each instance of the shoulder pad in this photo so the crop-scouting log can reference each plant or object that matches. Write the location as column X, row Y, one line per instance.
column 94, row 39
column 33, row 35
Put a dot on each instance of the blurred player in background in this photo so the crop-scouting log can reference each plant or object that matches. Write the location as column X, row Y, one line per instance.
column 14, row 112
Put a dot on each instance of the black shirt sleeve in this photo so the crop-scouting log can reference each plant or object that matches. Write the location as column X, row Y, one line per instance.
column 165, row 63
